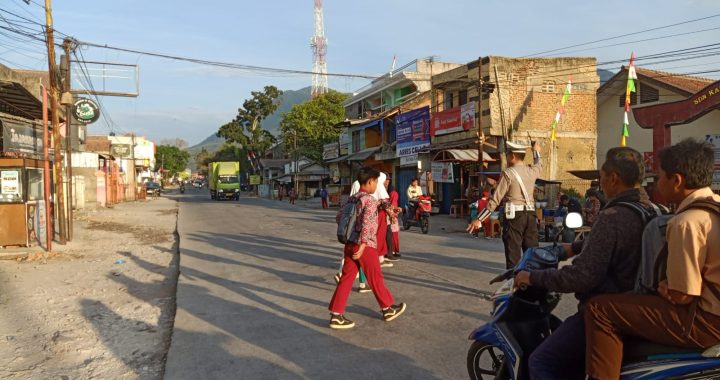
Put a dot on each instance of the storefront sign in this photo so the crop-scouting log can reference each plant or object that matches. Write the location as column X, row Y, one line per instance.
column 254, row 179
column 442, row 172
column 412, row 131
column 21, row 138
column 409, row 160
column 121, row 150
column 86, row 111
column 10, row 182
column 444, row 122
column 331, row 151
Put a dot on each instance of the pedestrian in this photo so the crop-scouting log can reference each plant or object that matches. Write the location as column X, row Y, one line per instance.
column 606, row 250
column 520, row 226
column 292, row 195
column 324, row 197
column 281, row 193
column 363, row 254
column 393, row 234
column 362, row 287
column 685, row 312
column 592, row 207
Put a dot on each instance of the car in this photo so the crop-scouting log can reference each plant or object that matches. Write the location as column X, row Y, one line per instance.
column 153, row 188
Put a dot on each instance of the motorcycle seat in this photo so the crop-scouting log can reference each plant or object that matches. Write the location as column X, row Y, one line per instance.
column 638, row 350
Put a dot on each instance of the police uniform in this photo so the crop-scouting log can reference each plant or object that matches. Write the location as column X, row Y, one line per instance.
column 520, row 232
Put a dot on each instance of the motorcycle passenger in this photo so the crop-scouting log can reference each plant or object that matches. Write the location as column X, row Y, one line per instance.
column 414, row 191
column 606, row 262
column 686, row 312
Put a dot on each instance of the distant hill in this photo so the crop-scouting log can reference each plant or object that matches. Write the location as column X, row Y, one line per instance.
column 288, row 99
column 604, row 75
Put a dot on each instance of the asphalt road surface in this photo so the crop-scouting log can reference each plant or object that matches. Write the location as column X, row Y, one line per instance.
column 256, row 277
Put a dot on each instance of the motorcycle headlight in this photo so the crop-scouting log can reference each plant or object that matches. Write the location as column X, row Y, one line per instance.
column 221, row 190
column 237, row 190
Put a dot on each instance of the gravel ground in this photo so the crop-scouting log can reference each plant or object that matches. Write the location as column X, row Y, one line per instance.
column 101, row 307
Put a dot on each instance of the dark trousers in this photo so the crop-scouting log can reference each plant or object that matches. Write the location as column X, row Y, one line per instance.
column 562, row 355
column 610, row 318
column 518, row 235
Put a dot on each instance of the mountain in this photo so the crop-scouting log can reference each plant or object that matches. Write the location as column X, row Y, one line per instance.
column 604, row 75
column 288, row 99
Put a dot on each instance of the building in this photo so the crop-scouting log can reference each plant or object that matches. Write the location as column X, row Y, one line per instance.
column 511, row 99
column 370, row 131
column 653, row 88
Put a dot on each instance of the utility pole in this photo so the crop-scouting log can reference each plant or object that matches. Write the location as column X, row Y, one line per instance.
column 67, row 45
column 59, row 191
column 297, row 169
column 133, row 175
column 481, row 132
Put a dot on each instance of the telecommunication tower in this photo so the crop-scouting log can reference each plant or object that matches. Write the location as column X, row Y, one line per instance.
column 318, row 44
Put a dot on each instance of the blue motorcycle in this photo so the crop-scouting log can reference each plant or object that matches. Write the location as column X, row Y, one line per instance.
column 522, row 318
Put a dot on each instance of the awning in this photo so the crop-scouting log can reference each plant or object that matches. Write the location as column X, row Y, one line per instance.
column 364, row 154
column 461, row 155
column 589, row 175
column 339, row 159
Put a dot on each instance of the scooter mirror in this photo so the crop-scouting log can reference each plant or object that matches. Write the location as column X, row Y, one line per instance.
column 574, row 220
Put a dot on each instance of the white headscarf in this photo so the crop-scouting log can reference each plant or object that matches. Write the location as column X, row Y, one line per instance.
column 355, row 188
column 380, row 193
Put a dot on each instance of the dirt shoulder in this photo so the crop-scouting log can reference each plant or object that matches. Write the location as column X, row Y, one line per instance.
column 103, row 307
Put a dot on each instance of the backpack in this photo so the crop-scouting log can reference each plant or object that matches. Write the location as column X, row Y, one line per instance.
column 348, row 230
column 653, row 262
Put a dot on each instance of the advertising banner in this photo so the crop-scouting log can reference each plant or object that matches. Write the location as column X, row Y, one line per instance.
column 21, row 138
column 447, row 121
column 442, row 172
column 467, row 115
column 331, row 151
column 254, row 179
column 413, row 131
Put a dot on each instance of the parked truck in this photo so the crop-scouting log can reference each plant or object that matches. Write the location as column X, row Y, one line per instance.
column 225, row 180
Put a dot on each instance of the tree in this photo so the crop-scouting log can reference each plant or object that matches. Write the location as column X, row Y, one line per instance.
column 176, row 142
column 246, row 129
column 312, row 124
column 201, row 161
column 229, row 152
column 170, row 158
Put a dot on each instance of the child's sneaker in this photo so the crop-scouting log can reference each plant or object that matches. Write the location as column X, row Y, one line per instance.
column 393, row 312
column 339, row 322
column 364, row 289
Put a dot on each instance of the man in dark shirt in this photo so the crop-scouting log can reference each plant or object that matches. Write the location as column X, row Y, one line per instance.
column 606, row 262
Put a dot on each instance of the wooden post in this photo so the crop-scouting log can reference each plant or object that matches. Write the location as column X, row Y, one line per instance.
column 46, row 173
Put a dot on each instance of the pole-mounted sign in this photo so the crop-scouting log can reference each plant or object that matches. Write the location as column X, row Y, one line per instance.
column 86, row 111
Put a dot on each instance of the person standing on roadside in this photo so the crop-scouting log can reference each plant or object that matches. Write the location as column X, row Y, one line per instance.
column 393, row 240
column 324, row 197
column 363, row 254
column 291, row 195
column 515, row 188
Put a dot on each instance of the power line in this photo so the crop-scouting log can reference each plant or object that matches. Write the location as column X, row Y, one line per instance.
column 623, row 35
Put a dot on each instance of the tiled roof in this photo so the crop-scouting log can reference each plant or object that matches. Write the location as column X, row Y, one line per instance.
column 688, row 83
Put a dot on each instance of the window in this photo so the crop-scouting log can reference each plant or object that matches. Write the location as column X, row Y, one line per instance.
column 35, row 189
column 633, row 99
column 463, row 97
column 548, row 86
column 486, row 112
column 648, row 94
column 447, row 100
column 514, row 78
column 356, row 141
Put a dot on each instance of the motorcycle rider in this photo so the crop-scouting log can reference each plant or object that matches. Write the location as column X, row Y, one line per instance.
column 414, row 191
column 606, row 262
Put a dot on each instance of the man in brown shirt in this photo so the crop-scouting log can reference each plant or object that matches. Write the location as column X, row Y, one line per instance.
column 519, row 232
column 686, row 312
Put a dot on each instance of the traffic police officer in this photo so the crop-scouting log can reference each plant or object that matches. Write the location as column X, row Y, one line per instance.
column 515, row 188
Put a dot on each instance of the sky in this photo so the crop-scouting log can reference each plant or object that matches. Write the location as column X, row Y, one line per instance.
column 190, row 101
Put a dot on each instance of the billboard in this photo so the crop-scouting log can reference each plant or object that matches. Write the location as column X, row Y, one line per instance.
column 412, row 131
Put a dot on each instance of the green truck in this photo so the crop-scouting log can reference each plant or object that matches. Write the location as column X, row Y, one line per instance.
column 225, row 180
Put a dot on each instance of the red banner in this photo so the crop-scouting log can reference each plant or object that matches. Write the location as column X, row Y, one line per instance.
column 447, row 121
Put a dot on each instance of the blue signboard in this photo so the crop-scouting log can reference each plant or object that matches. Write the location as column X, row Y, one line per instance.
column 413, row 131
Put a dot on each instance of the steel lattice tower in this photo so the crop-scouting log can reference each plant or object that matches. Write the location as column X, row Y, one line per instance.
column 318, row 44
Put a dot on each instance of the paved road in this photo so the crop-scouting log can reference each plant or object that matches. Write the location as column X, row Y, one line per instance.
column 256, row 278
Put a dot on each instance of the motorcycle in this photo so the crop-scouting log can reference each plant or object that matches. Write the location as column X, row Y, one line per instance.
column 521, row 318
column 421, row 216
column 182, row 189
